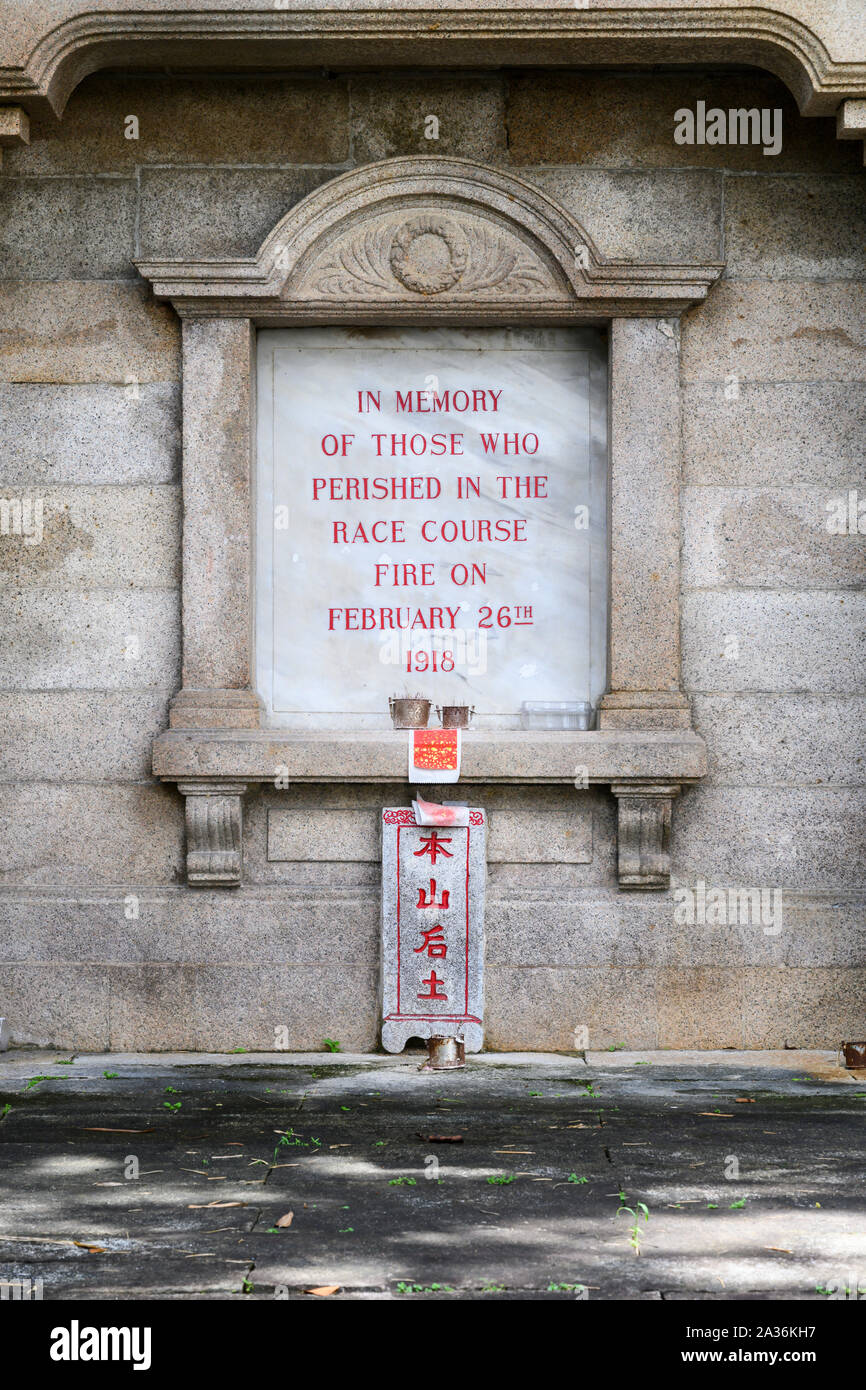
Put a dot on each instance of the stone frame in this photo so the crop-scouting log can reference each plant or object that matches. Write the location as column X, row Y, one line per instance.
column 328, row 261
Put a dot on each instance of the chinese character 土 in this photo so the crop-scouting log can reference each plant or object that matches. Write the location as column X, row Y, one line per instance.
column 434, row 846
column 433, row 980
column 425, row 901
column 433, row 943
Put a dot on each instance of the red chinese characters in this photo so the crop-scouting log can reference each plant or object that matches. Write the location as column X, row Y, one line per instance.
column 434, row 845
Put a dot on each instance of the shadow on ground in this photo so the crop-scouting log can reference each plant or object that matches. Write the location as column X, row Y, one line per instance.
column 124, row 1177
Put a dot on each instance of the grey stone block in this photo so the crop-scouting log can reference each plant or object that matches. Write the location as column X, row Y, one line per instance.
column 152, row 1008
column 89, row 434
column 90, row 835
column 542, row 836
column 62, row 332
column 802, row 1007
column 763, row 740
column 761, row 330
column 637, row 215
column 243, row 1006
column 135, row 924
column 318, row 833
column 226, row 212
column 807, row 840
column 777, row 434
column 804, row 642
column 540, row 1009
column 626, row 119
column 700, row 1008
column 767, row 538
column 575, row 929
column 87, row 640
column 389, row 117
column 63, row 1006
column 80, row 735
column 795, row 227
column 100, row 538
column 67, row 228
column 261, row 119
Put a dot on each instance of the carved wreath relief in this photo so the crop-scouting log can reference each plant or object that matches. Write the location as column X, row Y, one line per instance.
column 428, row 255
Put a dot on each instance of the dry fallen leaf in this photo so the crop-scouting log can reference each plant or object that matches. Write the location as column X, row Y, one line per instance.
column 780, row 1248
column 441, row 1138
column 716, row 1114
column 203, row 1206
column 325, row 1290
column 91, row 1249
column 105, row 1129
column 287, row 1219
column 745, row 1100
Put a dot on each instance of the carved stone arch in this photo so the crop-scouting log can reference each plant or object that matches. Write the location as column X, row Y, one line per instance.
column 435, row 237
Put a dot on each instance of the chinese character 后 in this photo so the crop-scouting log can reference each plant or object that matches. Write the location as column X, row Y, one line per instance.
column 433, row 980
column 425, row 901
column 431, row 844
column 433, row 943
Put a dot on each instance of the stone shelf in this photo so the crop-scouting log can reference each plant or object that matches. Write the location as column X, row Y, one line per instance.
column 496, row 756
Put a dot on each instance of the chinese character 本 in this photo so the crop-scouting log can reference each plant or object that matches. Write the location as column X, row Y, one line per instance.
column 432, row 845
column 433, row 943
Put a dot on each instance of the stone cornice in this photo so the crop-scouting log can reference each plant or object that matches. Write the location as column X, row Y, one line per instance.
column 818, row 47
column 345, row 250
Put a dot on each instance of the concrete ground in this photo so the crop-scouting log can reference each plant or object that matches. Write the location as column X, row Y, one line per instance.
column 174, row 1176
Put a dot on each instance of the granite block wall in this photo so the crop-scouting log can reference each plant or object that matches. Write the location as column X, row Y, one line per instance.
column 102, row 944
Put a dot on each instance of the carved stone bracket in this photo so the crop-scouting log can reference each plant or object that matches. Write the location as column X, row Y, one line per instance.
column 643, row 834
column 214, row 833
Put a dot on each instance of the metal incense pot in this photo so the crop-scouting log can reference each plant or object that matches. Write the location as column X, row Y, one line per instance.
column 444, row 1054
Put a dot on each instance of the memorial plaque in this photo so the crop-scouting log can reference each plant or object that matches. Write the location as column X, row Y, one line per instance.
column 432, row 929
column 431, row 519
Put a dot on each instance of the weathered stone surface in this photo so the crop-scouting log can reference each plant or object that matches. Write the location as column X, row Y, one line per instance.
column 542, row 836
column 574, row 928
column 89, row 434
column 319, row 833
column 391, row 117
column 67, row 229
column 100, row 538
column 227, row 212
column 803, row 839
column 56, row 1005
column 90, row 639
column 626, row 120
column 153, row 1005
column 191, row 120
column 606, row 1007
column 809, row 642
column 768, row 538
column 89, row 834
column 824, row 1006
column 638, row 215
column 645, row 464
column 699, row 1007
column 132, row 923
column 765, row 740
column 80, row 735
column 217, row 446
column 777, row 331
column 75, row 331
column 795, row 227
column 792, row 433
column 815, row 931
column 311, row 1002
